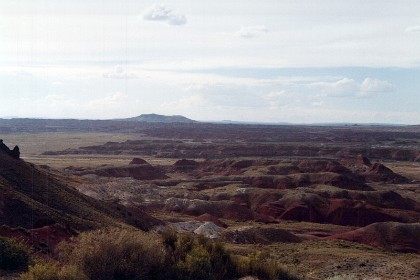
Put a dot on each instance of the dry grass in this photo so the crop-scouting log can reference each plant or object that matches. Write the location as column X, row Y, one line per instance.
column 115, row 254
column 32, row 145
column 324, row 259
column 410, row 170
column 36, row 143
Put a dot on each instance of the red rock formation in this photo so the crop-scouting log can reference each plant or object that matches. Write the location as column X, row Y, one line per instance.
column 138, row 161
column 260, row 235
column 43, row 240
column 210, row 218
column 341, row 211
column 390, row 235
column 380, row 173
column 137, row 171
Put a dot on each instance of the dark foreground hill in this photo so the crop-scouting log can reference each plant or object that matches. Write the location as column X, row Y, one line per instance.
column 32, row 197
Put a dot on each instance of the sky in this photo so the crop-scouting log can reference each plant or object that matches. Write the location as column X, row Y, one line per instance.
column 297, row 61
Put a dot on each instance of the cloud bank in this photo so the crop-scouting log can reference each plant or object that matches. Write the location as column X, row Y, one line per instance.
column 114, row 99
column 348, row 87
column 248, row 32
column 340, row 88
column 164, row 14
column 119, row 73
column 373, row 86
column 413, row 29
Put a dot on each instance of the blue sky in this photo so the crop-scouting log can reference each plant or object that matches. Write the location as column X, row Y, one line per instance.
column 269, row 61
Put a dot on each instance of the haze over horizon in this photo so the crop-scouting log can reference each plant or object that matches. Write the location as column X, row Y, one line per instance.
column 271, row 61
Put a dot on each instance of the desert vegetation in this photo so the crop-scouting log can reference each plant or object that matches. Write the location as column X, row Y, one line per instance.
column 13, row 256
column 127, row 254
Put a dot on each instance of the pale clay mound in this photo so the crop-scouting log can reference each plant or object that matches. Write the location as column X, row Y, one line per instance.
column 209, row 230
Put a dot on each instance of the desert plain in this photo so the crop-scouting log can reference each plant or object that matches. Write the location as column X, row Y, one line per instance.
column 326, row 202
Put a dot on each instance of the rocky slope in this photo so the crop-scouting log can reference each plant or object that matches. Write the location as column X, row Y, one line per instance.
column 32, row 197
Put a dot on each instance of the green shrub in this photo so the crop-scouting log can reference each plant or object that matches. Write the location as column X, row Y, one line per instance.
column 262, row 266
column 183, row 245
column 13, row 256
column 52, row 271
column 115, row 254
column 127, row 254
column 71, row 272
column 196, row 257
column 41, row 271
column 169, row 238
column 197, row 264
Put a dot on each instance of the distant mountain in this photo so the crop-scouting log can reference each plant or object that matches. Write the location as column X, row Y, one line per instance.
column 249, row 122
column 354, row 124
column 160, row 118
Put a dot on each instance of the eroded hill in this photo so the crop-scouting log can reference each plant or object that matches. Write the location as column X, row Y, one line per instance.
column 324, row 200
column 35, row 198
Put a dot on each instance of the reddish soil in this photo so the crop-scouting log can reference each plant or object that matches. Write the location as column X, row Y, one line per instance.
column 138, row 161
column 210, row 218
column 390, row 235
column 42, row 240
column 220, row 141
column 185, row 165
column 259, row 235
column 318, row 209
column 220, row 209
column 380, row 173
column 136, row 171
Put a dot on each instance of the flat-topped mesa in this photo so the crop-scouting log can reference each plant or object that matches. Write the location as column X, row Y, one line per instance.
column 15, row 153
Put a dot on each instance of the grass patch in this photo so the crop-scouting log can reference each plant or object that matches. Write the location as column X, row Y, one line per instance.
column 13, row 256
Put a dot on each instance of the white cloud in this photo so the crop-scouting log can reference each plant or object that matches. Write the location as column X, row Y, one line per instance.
column 248, row 32
column 413, row 29
column 276, row 99
column 119, row 73
column 235, row 95
column 340, row 88
column 348, row 87
column 54, row 98
column 56, row 83
column 373, row 86
column 278, row 94
column 110, row 100
column 318, row 103
column 297, row 38
column 194, row 87
column 185, row 103
column 162, row 13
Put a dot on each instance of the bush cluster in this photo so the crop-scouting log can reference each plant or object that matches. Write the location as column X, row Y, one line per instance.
column 13, row 256
column 53, row 271
column 123, row 254
column 115, row 254
column 262, row 266
column 195, row 257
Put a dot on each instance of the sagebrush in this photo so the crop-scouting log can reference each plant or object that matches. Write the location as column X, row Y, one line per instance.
column 118, row 254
